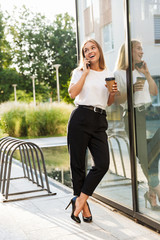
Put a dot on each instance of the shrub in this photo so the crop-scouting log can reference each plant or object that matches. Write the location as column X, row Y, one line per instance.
column 13, row 120
column 47, row 119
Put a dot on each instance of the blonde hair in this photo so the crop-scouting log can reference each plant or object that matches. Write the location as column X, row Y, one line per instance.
column 122, row 64
column 102, row 64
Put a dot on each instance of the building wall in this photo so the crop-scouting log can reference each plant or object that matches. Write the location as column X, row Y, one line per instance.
column 142, row 27
column 102, row 12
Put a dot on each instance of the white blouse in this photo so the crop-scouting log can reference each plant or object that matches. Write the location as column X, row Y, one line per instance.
column 94, row 93
column 139, row 97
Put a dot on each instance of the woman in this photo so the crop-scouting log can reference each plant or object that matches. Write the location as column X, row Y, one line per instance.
column 143, row 87
column 87, row 126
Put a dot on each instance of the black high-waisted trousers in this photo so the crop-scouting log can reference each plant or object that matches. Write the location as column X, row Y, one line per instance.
column 87, row 128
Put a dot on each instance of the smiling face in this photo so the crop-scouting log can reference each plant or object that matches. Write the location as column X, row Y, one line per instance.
column 91, row 52
column 137, row 52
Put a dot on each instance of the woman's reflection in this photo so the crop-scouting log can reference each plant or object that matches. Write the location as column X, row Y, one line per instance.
column 143, row 87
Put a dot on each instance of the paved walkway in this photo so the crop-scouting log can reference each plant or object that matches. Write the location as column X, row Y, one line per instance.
column 45, row 218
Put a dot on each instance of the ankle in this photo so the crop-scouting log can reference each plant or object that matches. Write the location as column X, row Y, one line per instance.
column 86, row 210
column 156, row 190
column 80, row 202
column 151, row 195
column 151, row 192
column 78, row 206
column 152, row 198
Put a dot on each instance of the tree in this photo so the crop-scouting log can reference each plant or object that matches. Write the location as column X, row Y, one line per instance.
column 28, row 46
column 37, row 45
column 63, row 40
column 5, row 57
column 7, row 76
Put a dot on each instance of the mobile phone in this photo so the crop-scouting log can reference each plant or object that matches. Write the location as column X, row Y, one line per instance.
column 88, row 65
column 139, row 65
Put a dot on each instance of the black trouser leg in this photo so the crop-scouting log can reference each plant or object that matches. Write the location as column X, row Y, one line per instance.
column 98, row 147
column 77, row 149
column 87, row 129
column 146, row 149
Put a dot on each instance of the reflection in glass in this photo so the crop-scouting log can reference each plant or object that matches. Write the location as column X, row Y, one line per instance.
column 146, row 126
column 143, row 87
column 57, row 164
column 148, row 119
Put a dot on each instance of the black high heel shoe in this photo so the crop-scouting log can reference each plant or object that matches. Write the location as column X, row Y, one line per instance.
column 147, row 198
column 87, row 219
column 73, row 202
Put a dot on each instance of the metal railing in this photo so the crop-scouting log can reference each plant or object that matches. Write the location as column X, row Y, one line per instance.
column 116, row 145
column 117, row 139
column 33, row 165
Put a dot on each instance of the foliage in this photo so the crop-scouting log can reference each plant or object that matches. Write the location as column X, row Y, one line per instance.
column 13, row 121
column 37, row 45
column 19, row 120
column 23, row 96
column 64, row 42
column 5, row 57
column 7, row 78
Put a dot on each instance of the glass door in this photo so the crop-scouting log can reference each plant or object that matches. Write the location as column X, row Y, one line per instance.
column 145, row 48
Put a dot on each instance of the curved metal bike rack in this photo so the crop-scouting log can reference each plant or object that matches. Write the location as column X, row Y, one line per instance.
column 116, row 138
column 118, row 141
column 33, row 166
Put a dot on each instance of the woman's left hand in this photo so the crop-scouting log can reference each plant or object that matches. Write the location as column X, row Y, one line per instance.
column 113, row 93
column 114, row 89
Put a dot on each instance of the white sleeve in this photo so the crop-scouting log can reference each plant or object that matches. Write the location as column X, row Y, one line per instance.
column 76, row 75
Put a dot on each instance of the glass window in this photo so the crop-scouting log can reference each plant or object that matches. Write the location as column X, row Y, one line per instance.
column 146, row 72
column 92, row 35
column 156, row 99
column 108, row 43
column 157, row 29
column 87, row 3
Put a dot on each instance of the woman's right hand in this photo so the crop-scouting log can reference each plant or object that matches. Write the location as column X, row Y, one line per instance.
column 86, row 65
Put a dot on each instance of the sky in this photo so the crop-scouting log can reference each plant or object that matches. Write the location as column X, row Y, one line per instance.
column 47, row 7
